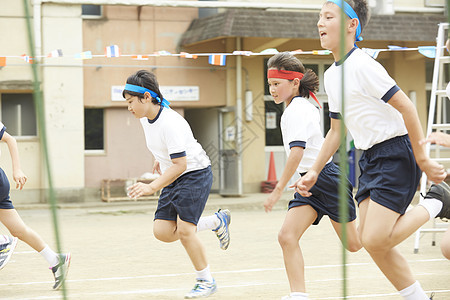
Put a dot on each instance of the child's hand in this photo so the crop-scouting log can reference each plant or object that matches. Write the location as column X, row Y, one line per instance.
column 156, row 168
column 439, row 138
column 435, row 172
column 20, row 179
column 140, row 189
column 272, row 199
column 305, row 183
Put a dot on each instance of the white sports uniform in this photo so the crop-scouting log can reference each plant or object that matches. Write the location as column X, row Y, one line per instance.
column 300, row 126
column 169, row 136
column 368, row 88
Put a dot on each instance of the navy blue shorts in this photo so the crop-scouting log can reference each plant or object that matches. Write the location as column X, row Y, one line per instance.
column 389, row 174
column 325, row 196
column 185, row 197
column 5, row 203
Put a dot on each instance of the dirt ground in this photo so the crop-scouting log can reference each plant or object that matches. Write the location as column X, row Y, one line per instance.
column 115, row 256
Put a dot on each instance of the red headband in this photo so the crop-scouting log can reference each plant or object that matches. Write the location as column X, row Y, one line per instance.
column 289, row 75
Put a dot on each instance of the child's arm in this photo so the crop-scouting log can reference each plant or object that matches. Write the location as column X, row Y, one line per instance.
column 329, row 147
column 437, row 137
column 295, row 156
column 401, row 102
column 18, row 176
column 173, row 172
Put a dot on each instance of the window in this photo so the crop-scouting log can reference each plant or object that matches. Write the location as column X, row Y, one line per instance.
column 93, row 129
column 19, row 114
column 91, row 11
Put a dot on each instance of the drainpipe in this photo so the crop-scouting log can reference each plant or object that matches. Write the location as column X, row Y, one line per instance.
column 239, row 114
column 37, row 27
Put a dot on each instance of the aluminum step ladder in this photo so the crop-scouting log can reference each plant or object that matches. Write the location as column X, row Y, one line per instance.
column 438, row 103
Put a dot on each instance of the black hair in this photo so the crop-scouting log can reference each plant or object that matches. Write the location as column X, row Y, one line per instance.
column 362, row 11
column 287, row 61
column 145, row 79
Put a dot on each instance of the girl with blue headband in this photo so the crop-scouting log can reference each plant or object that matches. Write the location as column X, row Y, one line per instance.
column 185, row 178
column 384, row 124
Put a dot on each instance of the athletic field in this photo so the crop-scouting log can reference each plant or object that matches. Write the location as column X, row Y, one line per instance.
column 115, row 256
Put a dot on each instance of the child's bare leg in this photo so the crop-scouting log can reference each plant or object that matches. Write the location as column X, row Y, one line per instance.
column 192, row 244
column 297, row 220
column 165, row 231
column 378, row 224
column 445, row 244
column 353, row 241
column 14, row 223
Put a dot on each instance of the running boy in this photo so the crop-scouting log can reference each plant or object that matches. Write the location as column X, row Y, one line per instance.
column 443, row 139
column 186, row 177
column 59, row 264
column 385, row 124
column 289, row 82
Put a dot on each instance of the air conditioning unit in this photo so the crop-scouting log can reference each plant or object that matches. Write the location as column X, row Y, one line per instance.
column 382, row 7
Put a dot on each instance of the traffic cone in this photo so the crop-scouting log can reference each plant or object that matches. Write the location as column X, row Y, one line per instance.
column 272, row 176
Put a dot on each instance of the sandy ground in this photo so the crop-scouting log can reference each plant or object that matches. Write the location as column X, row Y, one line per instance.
column 115, row 256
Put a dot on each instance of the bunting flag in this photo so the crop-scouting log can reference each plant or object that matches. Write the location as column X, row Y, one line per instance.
column 188, row 55
column 112, row 51
column 2, row 61
column 163, row 53
column 321, row 52
column 427, row 51
column 84, row 55
column 55, row 53
column 27, row 58
column 396, row 48
column 245, row 53
column 139, row 57
column 217, row 59
column 371, row 52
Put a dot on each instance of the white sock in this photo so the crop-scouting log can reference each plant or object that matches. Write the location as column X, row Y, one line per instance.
column 204, row 274
column 414, row 292
column 433, row 206
column 209, row 222
column 50, row 256
column 299, row 296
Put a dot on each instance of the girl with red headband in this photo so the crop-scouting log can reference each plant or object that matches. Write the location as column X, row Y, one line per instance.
column 289, row 82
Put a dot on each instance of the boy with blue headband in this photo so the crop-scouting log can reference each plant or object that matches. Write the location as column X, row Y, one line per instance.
column 185, row 180
column 385, row 124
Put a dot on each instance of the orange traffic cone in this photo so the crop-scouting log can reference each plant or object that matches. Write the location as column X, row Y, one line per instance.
column 269, row 185
column 272, row 176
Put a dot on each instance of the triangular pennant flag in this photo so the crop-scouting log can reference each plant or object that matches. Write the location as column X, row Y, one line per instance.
column 112, row 51
column 372, row 52
column 27, row 58
column 321, row 52
column 269, row 51
column 2, row 61
column 140, row 57
column 188, row 55
column 245, row 53
column 217, row 59
column 55, row 53
column 84, row 55
column 427, row 51
column 163, row 53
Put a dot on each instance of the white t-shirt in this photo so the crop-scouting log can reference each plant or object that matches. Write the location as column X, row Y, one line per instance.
column 300, row 126
column 170, row 136
column 368, row 88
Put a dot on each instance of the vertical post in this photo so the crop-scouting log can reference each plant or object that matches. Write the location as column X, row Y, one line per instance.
column 239, row 114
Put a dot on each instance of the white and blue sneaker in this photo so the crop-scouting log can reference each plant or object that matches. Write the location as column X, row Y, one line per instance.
column 222, row 231
column 61, row 269
column 202, row 288
column 6, row 250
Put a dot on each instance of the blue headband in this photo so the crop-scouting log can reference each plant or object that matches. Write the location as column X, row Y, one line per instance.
column 143, row 90
column 351, row 14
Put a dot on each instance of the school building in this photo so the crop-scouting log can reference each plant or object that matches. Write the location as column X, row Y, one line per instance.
column 91, row 135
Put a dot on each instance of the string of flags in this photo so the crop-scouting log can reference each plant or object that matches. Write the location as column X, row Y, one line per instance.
column 217, row 59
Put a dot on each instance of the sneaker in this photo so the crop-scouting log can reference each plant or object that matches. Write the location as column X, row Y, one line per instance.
column 6, row 250
column 441, row 192
column 60, row 270
column 222, row 231
column 202, row 288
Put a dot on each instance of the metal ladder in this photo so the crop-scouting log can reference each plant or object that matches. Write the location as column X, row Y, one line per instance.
column 438, row 101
